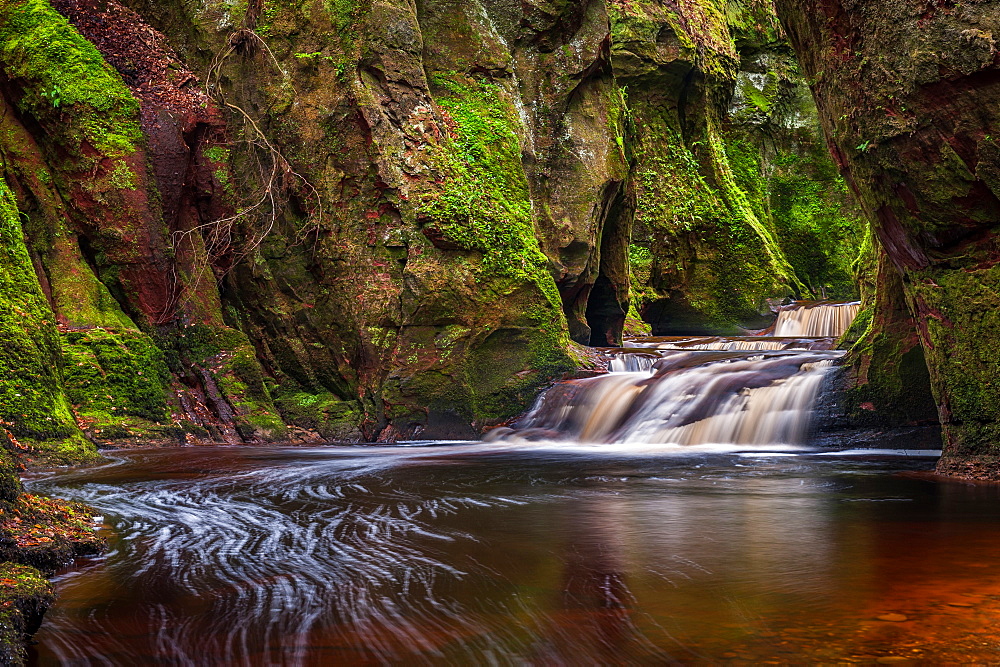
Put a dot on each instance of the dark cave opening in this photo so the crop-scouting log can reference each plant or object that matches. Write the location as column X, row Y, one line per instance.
column 605, row 314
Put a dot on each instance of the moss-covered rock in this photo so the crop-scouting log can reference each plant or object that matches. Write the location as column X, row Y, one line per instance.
column 389, row 219
column 224, row 375
column 25, row 594
column 117, row 383
column 90, row 135
column 327, row 415
column 37, row 536
column 33, row 404
column 888, row 384
column 63, row 72
column 912, row 130
column 46, row 533
column 409, row 236
column 738, row 205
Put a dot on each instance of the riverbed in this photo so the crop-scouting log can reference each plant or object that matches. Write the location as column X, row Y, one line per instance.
column 512, row 554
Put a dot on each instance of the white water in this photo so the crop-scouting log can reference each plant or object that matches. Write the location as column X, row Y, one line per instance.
column 823, row 319
column 724, row 344
column 753, row 392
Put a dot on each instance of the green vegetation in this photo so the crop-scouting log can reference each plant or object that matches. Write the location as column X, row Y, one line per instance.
column 700, row 30
column 24, row 595
column 965, row 314
column 744, row 206
column 33, row 406
column 815, row 225
column 324, row 413
column 37, row 536
column 117, row 382
column 484, row 204
column 243, row 383
column 702, row 239
column 432, row 205
column 63, row 72
column 225, row 356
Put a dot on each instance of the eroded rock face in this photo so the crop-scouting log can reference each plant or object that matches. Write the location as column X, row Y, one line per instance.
column 913, row 126
column 404, row 204
column 383, row 219
column 737, row 200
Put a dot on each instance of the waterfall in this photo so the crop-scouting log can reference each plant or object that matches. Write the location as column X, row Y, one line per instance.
column 750, row 391
column 630, row 362
column 719, row 343
column 816, row 319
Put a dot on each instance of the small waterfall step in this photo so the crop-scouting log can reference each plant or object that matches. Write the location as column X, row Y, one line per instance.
column 749, row 391
column 812, row 319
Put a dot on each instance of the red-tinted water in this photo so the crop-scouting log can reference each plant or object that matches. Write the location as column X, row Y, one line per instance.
column 501, row 554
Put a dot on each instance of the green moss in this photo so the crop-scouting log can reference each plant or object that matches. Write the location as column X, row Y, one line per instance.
column 32, row 403
column 62, row 71
column 43, row 533
column 196, row 343
column 122, row 177
column 484, row 204
column 91, row 146
column 10, row 467
column 510, row 365
column 737, row 201
column 78, row 296
column 229, row 357
column 242, row 381
column 323, row 413
column 700, row 30
column 702, row 239
column 219, row 156
column 859, row 327
column 752, row 21
column 963, row 312
column 818, row 230
column 897, row 390
column 345, row 15
column 888, row 381
column 24, row 596
column 117, row 382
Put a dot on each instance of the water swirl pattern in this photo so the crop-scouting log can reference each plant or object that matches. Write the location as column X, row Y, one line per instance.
column 514, row 554
column 576, row 538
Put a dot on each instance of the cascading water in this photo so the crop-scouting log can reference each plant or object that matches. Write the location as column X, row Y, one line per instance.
column 815, row 319
column 704, row 390
column 460, row 553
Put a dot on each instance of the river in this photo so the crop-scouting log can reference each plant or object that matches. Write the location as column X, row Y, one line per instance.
column 668, row 512
column 513, row 554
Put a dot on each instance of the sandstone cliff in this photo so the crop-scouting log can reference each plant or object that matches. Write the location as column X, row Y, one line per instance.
column 912, row 128
column 273, row 221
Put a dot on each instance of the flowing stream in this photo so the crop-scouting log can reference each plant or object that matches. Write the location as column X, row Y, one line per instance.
column 670, row 530
column 745, row 392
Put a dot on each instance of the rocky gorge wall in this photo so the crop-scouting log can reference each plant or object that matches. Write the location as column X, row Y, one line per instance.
column 737, row 200
column 271, row 221
column 912, row 131
column 364, row 220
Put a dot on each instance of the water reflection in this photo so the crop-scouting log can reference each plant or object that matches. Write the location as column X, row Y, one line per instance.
column 499, row 554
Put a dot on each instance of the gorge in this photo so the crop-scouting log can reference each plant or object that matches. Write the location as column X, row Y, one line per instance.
column 648, row 240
